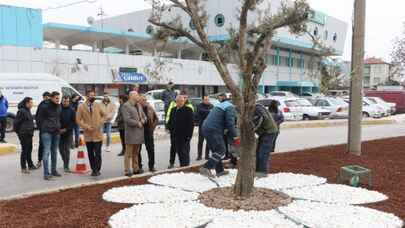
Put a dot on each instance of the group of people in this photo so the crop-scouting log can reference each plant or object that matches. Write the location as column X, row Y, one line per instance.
column 60, row 122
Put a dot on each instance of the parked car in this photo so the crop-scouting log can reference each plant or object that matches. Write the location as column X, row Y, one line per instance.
column 157, row 94
column 159, row 107
column 281, row 94
column 395, row 96
column 386, row 110
column 380, row 101
column 311, row 95
column 311, row 112
column 338, row 108
column 289, row 107
column 370, row 109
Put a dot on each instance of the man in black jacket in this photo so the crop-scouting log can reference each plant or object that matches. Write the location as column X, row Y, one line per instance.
column 24, row 127
column 68, row 122
column 45, row 97
column 182, row 125
column 75, row 101
column 203, row 109
column 49, row 121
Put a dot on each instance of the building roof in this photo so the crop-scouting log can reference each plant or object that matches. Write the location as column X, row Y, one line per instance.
column 374, row 60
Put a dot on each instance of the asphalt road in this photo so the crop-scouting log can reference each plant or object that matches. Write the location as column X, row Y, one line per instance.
column 12, row 182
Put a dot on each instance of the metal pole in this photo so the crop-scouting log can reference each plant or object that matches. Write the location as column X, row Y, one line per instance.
column 356, row 87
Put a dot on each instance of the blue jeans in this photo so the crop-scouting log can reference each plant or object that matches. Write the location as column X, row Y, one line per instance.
column 264, row 148
column 107, row 131
column 50, row 143
column 215, row 141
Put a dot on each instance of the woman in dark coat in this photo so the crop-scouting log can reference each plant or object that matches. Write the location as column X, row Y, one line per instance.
column 24, row 127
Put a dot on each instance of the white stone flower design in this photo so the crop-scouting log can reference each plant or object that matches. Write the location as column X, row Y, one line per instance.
column 171, row 201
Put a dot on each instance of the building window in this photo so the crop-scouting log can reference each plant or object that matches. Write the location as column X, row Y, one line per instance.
column 149, row 29
column 316, row 31
column 276, row 60
column 335, row 37
column 191, row 24
column 220, row 20
column 326, row 35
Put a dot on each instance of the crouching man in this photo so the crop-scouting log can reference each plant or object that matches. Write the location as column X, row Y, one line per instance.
column 221, row 118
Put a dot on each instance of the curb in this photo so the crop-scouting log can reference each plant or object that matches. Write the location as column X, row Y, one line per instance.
column 7, row 149
column 105, row 181
column 320, row 124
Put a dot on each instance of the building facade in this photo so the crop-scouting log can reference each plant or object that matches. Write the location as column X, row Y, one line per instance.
column 116, row 52
column 376, row 72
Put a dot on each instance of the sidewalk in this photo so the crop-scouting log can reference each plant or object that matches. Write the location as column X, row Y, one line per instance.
column 160, row 132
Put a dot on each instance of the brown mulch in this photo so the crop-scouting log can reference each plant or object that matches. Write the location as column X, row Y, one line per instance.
column 261, row 199
column 84, row 207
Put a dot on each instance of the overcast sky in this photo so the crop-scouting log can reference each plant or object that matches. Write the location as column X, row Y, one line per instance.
column 384, row 18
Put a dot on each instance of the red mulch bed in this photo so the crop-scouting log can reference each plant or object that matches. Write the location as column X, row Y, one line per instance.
column 84, row 207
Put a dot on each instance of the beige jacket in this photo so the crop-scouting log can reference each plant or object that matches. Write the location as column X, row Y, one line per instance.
column 109, row 109
column 91, row 123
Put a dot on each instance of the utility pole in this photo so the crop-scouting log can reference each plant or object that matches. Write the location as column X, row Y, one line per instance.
column 356, row 82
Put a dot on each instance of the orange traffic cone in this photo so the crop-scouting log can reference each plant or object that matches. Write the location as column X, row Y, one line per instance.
column 81, row 165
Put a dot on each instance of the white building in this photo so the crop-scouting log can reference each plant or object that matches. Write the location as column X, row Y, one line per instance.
column 289, row 61
column 376, row 72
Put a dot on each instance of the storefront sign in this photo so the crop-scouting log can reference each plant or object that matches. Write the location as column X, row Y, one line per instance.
column 131, row 75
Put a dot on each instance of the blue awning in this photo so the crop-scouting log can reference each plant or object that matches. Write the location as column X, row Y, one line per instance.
column 295, row 84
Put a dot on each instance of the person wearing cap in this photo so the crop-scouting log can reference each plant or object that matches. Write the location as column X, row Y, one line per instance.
column 221, row 118
column 45, row 97
column 168, row 116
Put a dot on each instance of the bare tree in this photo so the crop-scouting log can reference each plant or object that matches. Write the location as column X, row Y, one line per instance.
column 398, row 59
column 247, row 47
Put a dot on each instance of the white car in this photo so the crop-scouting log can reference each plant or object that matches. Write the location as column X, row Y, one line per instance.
column 370, row 109
column 281, row 94
column 392, row 107
column 338, row 108
column 311, row 112
column 159, row 107
column 289, row 107
column 157, row 94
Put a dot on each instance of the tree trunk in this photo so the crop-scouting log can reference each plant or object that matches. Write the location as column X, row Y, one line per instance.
column 247, row 164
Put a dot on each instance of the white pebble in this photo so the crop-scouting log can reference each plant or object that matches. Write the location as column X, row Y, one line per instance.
column 288, row 180
column 322, row 215
column 147, row 194
column 336, row 193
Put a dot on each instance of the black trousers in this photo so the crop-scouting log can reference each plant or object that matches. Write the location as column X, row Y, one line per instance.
column 201, row 144
column 94, row 152
column 26, row 150
column 183, row 150
column 172, row 148
column 122, row 137
column 150, row 148
column 65, row 144
column 40, row 148
column 3, row 126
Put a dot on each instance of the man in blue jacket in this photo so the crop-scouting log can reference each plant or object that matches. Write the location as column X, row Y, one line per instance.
column 3, row 117
column 222, row 117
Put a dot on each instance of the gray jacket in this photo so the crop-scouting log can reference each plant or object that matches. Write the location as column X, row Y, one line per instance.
column 134, row 119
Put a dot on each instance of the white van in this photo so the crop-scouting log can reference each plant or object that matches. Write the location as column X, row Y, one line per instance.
column 16, row 86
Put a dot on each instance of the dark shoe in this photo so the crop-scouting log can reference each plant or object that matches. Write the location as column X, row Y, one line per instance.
column 67, row 170
column 141, row 171
column 260, row 175
column 48, row 178
column 206, row 158
column 121, row 154
column 39, row 164
column 98, row 174
column 77, row 145
column 25, row 171
column 199, row 158
column 93, row 174
column 128, row 174
column 223, row 173
column 152, row 170
column 3, row 141
column 56, row 174
column 206, row 172
column 171, row 166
